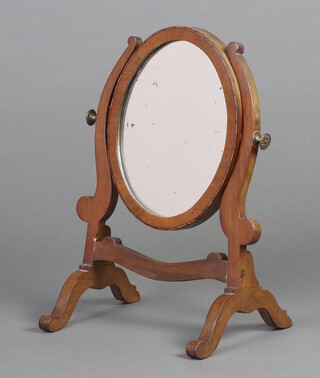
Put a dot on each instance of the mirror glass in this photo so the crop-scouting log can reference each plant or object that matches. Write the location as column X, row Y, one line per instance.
column 173, row 129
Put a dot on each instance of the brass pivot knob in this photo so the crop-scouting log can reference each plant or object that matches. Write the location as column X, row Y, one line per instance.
column 91, row 117
column 263, row 141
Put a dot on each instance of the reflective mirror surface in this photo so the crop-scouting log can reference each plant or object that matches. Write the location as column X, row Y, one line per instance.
column 173, row 129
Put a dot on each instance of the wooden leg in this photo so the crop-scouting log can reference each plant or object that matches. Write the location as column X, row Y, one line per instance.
column 98, row 276
column 243, row 300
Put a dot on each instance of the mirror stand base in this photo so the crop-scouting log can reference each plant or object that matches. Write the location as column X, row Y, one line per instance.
column 97, row 276
column 243, row 300
column 246, row 297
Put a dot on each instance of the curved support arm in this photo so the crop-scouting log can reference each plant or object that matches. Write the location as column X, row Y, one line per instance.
column 233, row 210
column 101, row 205
column 239, row 230
column 95, row 210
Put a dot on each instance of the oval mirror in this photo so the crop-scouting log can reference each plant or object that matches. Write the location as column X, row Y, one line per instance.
column 175, row 124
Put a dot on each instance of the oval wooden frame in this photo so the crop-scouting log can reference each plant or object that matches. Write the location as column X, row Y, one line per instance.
column 209, row 202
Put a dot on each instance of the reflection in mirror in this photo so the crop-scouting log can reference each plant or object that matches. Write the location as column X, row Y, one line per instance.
column 173, row 129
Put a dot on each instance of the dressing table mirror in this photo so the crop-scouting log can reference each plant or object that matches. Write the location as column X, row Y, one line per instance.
column 177, row 134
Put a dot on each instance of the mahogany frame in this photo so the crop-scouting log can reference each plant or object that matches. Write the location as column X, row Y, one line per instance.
column 102, row 252
column 209, row 202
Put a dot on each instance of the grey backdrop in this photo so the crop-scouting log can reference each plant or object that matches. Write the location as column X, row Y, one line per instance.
column 54, row 59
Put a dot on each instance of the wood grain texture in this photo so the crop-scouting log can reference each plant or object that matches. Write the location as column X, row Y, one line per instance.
column 214, row 266
column 228, row 190
column 97, row 209
column 98, row 276
column 240, row 230
column 248, row 297
column 209, row 202
column 244, row 300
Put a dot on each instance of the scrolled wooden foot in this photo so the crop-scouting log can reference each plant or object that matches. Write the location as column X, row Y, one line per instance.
column 243, row 300
column 272, row 314
column 97, row 276
column 219, row 314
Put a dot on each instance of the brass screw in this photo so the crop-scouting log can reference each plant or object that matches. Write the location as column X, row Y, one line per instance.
column 91, row 117
column 263, row 141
